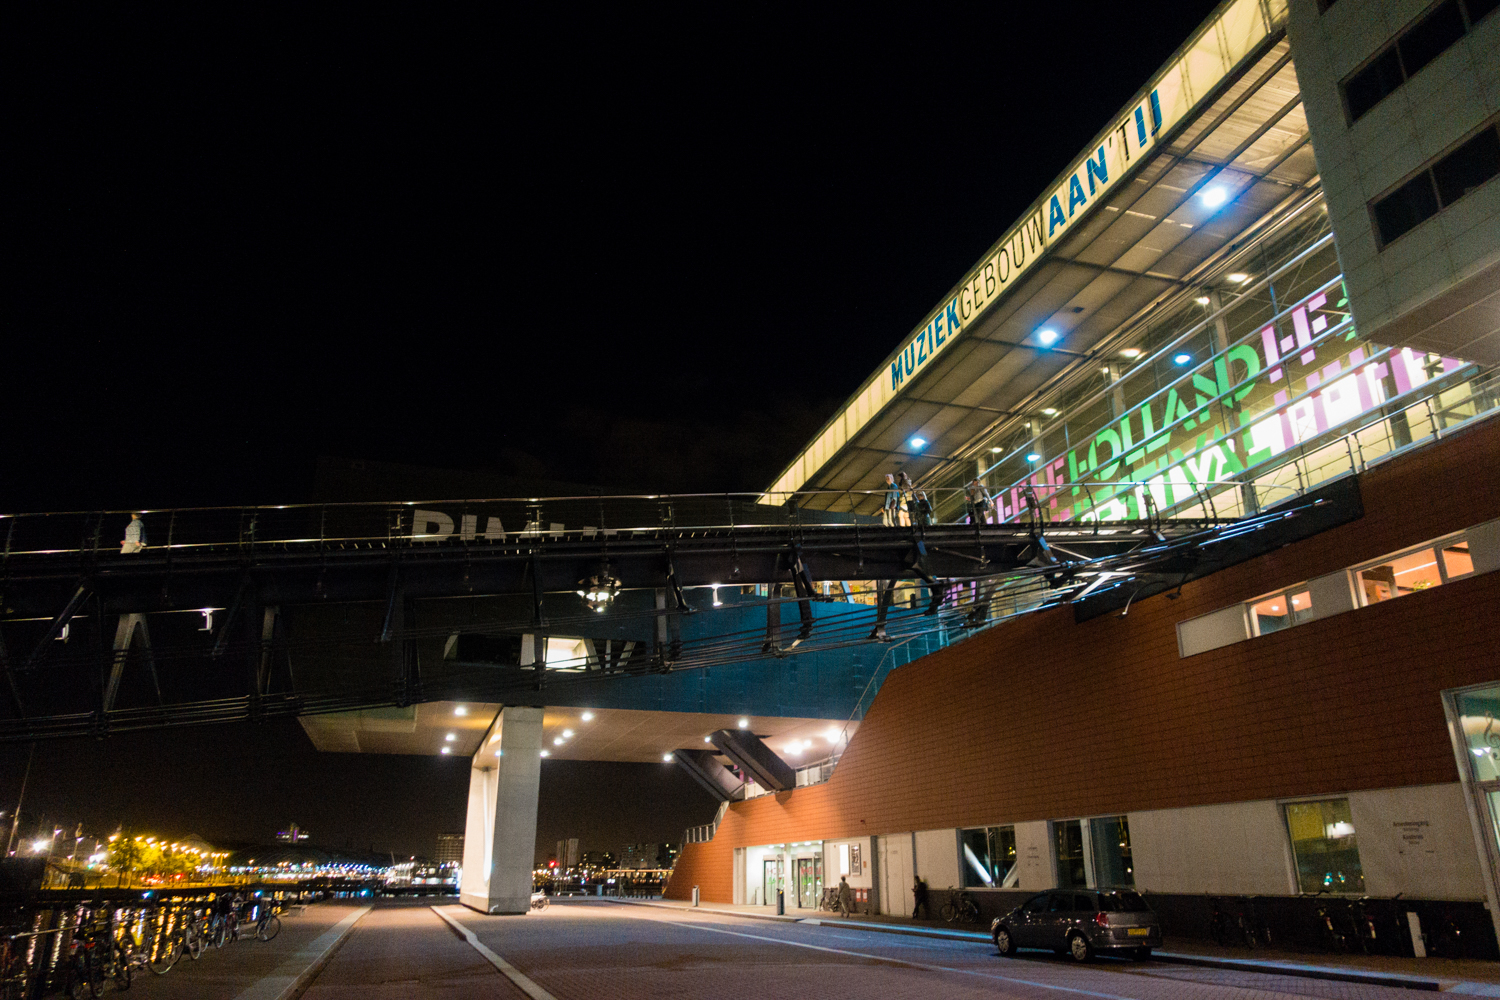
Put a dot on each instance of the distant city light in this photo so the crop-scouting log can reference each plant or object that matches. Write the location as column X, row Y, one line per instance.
column 1214, row 197
column 1047, row 337
column 40, row 845
column 588, row 716
column 1181, row 359
column 1033, row 457
column 918, row 443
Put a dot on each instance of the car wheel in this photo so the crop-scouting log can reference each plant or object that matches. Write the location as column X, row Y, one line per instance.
column 1079, row 948
column 1142, row 954
column 1004, row 941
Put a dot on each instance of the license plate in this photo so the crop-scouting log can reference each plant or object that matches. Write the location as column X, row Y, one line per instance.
column 1138, row 931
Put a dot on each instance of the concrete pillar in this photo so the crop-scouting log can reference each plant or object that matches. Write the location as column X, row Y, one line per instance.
column 500, row 835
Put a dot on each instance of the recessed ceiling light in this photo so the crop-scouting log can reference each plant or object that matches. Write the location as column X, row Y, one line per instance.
column 567, row 734
column 707, row 739
column 460, row 710
column 587, row 717
column 1181, row 359
column 1238, row 277
column 666, row 757
column 558, row 742
column 1050, row 412
column 1033, row 457
column 918, row 443
column 1202, row 300
column 1131, row 352
column 1046, row 337
column 447, row 749
column 451, row 737
column 546, row 753
column 1214, row 196
column 744, row 723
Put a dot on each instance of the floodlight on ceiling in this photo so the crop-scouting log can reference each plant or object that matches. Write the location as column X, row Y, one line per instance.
column 1046, row 336
column 744, row 723
column 587, row 716
column 1202, row 300
column 1033, row 457
column 1049, row 412
column 1238, row 277
column 666, row 758
column 460, row 710
column 1181, row 359
column 1214, row 196
column 599, row 588
column 918, row 443
column 1130, row 353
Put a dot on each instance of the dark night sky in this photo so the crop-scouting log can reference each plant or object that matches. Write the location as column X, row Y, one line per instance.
column 633, row 249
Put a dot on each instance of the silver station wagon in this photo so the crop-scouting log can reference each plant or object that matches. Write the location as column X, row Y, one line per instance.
column 1080, row 923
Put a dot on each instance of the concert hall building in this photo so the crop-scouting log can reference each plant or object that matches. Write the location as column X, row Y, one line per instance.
column 1272, row 277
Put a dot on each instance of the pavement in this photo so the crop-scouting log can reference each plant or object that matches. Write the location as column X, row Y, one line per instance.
column 628, row 949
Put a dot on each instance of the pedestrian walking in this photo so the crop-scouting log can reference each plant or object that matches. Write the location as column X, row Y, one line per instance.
column 890, row 512
column 919, row 898
column 979, row 501
column 846, row 896
column 135, row 534
column 911, row 513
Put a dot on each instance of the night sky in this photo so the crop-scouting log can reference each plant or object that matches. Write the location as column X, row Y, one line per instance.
column 620, row 248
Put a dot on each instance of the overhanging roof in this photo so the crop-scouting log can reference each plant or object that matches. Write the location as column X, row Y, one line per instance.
column 1230, row 113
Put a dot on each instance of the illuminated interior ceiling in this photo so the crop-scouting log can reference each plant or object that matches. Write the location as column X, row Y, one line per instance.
column 1151, row 241
column 612, row 734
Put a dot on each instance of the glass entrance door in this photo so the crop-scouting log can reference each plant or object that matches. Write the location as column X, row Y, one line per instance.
column 774, row 879
column 809, row 881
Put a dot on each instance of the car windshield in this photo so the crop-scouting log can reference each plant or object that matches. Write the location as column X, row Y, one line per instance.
column 1122, row 902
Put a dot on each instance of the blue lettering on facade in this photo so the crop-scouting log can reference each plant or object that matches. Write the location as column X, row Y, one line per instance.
column 1075, row 195
column 1140, row 128
column 1054, row 216
column 937, row 331
column 922, row 346
column 953, row 324
column 1155, row 113
column 896, row 375
column 1097, row 170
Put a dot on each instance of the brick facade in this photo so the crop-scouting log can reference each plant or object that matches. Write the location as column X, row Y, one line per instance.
column 1043, row 718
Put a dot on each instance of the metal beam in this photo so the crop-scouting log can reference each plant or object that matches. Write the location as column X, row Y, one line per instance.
column 63, row 617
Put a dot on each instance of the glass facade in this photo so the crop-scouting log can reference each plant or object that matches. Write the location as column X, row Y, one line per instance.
column 989, row 857
column 1109, row 840
column 1325, row 846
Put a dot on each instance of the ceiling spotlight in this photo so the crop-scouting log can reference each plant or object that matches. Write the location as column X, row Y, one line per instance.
column 1046, row 337
column 918, row 443
column 599, row 589
column 1181, row 359
column 447, row 749
column 460, row 710
column 707, row 739
column 557, row 742
column 1202, row 300
column 1033, row 457
column 666, row 758
column 795, row 749
column 451, row 737
column 1214, row 197
column 833, row 736
column 546, row 753
column 567, row 734
column 1049, row 412
column 1131, row 352
column 744, row 723
column 587, row 716
column 1238, row 277
column 994, row 451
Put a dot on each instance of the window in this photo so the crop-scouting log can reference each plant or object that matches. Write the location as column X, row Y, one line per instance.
column 1439, row 185
column 1413, row 571
column 1109, row 838
column 1071, row 872
column 1413, row 49
column 1325, row 846
column 989, row 858
column 1279, row 611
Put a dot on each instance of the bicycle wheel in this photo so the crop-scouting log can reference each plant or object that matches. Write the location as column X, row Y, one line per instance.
column 949, row 911
column 970, row 914
column 168, row 951
column 192, row 941
column 268, row 928
column 122, row 967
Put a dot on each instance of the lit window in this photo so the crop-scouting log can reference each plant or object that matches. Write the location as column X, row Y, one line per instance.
column 1279, row 611
column 989, row 858
column 1456, row 560
column 1325, row 846
column 1405, row 574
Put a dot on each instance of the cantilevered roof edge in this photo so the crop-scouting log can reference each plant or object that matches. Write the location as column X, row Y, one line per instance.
column 1218, row 50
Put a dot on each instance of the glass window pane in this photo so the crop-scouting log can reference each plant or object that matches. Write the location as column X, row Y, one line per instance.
column 978, row 867
column 1271, row 615
column 1301, row 607
column 1003, row 852
column 1456, row 559
column 1366, row 88
column 1325, row 846
column 1110, row 839
column 1477, row 711
column 1468, row 166
column 1401, row 211
column 1069, row 847
column 1398, row 577
column 1429, row 37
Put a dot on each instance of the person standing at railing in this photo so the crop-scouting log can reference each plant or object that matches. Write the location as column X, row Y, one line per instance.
column 979, row 501
column 890, row 514
column 135, row 534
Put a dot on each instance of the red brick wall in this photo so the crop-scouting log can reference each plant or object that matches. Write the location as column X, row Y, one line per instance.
column 1044, row 718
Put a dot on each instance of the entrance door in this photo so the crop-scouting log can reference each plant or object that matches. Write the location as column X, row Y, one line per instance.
column 774, row 879
column 809, row 882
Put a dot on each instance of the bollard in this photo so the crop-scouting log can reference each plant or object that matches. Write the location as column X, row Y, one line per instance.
column 780, row 902
column 695, row 895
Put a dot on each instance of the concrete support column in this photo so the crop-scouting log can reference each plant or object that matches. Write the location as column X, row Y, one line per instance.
column 500, row 835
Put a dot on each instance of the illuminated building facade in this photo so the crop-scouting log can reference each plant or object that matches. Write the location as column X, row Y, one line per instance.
column 1273, row 277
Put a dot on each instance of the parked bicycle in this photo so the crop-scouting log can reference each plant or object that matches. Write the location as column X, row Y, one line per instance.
column 960, row 907
column 267, row 922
